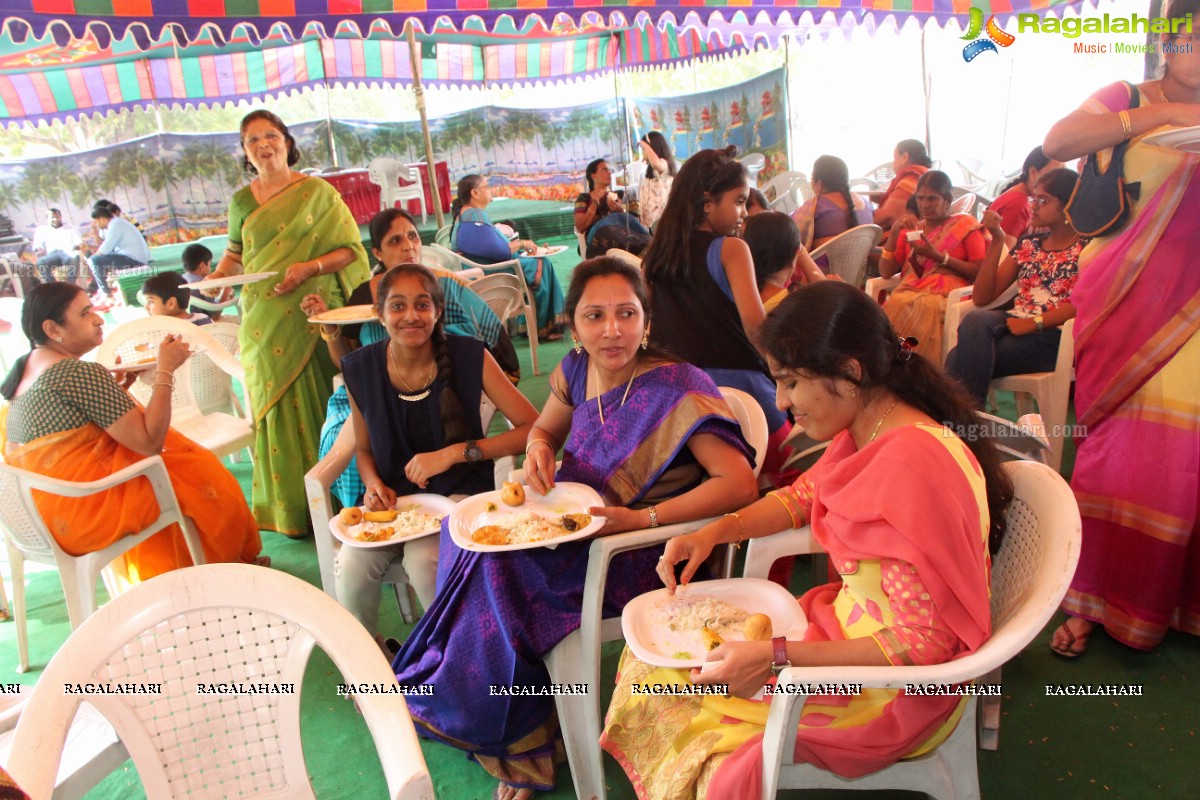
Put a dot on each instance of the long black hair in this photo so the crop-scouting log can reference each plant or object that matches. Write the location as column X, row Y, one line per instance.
column 1037, row 159
column 1059, row 183
column 821, row 327
column 834, row 176
column 454, row 419
column 658, row 143
column 293, row 155
column 44, row 302
column 705, row 176
column 466, row 185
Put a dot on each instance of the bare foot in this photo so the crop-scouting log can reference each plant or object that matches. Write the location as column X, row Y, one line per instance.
column 506, row 792
column 1070, row 639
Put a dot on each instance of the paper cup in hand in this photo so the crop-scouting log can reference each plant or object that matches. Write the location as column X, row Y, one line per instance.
column 913, row 236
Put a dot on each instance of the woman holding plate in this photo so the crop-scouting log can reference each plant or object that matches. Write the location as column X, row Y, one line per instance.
column 656, row 440
column 296, row 228
column 913, row 559
column 414, row 400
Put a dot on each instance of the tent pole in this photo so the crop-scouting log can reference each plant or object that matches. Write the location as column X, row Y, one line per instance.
column 419, row 92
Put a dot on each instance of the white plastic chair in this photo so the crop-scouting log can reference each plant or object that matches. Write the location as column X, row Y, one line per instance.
column 11, row 272
column 624, row 255
column 434, row 255
column 91, row 750
column 212, row 365
column 502, row 293
column 963, row 204
column 1050, row 390
column 787, row 191
column 1030, row 576
column 754, row 163
column 959, row 304
column 442, row 236
column 576, row 659
column 581, row 241
column 28, row 538
column 513, row 267
column 387, row 173
column 320, row 508
column 847, row 252
column 227, row 624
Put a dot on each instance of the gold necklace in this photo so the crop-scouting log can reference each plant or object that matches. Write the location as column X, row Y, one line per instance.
column 599, row 406
column 1161, row 94
column 879, row 424
column 416, row 394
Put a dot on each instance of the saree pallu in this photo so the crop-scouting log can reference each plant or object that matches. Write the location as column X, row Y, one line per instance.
column 1136, row 399
column 289, row 372
column 917, row 307
column 206, row 491
column 496, row 615
column 677, row 747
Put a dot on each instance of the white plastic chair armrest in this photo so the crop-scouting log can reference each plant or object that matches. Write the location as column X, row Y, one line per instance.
column 763, row 551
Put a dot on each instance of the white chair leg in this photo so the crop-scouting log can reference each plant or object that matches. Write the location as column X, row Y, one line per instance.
column 16, row 567
column 579, row 718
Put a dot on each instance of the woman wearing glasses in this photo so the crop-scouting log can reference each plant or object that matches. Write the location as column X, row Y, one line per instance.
column 1137, row 391
column 995, row 343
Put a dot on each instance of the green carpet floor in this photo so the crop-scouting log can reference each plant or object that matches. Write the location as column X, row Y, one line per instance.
column 1060, row 747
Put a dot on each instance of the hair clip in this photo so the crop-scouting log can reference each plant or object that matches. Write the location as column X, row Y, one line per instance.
column 907, row 343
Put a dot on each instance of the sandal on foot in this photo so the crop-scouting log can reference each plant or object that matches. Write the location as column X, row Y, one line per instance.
column 1076, row 643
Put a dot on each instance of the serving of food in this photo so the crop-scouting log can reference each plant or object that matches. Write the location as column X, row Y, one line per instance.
column 231, row 280
column 514, row 518
column 679, row 630
column 546, row 251
column 346, row 315
column 412, row 517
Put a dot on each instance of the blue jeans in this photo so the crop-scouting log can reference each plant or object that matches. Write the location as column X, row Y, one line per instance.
column 986, row 350
column 100, row 266
column 57, row 258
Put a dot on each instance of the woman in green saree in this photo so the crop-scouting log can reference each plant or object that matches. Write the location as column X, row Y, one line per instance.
column 298, row 229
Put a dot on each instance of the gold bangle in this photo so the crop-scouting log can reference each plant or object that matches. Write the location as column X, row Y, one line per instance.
column 330, row 337
column 170, row 386
column 890, row 255
column 532, row 442
column 1126, row 125
column 742, row 526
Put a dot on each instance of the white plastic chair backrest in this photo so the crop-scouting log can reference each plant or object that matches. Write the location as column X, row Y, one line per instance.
column 502, row 292
column 624, row 255
column 848, row 251
column 754, row 163
column 442, row 237
column 964, row 204
column 435, row 255
column 22, row 524
column 215, row 624
column 753, row 420
column 1023, row 439
column 387, row 172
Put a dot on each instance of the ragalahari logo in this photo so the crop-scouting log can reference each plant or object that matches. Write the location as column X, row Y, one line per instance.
column 975, row 28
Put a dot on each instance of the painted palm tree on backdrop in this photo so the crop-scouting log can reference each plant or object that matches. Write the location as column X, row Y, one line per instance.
column 527, row 126
column 162, row 181
column 354, row 146
column 117, row 174
column 477, row 129
column 574, row 129
column 85, row 189
column 9, row 197
column 392, row 139
column 37, row 187
column 493, row 138
column 189, row 166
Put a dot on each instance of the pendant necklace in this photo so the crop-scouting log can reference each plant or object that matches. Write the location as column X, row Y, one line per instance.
column 599, row 406
column 879, row 424
column 415, row 395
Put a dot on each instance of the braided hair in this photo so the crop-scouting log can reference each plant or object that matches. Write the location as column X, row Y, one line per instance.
column 466, row 185
column 450, row 407
column 834, row 176
column 821, row 327
column 1037, row 159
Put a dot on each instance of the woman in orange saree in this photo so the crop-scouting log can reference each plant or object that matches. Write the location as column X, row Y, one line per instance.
column 69, row 419
column 914, row 564
column 1137, row 389
column 935, row 255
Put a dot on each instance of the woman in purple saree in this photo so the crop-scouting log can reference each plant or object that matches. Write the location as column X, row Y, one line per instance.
column 660, row 445
column 1137, row 390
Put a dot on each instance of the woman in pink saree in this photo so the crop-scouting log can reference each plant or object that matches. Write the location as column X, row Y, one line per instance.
column 1137, row 389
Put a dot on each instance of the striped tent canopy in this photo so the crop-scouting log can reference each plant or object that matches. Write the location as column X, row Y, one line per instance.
column 64, row 58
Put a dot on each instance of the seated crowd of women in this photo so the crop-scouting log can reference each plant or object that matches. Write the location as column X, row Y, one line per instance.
column 635, row 410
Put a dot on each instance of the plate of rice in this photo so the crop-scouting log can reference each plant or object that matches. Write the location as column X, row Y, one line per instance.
column 485, row 523
column 665, row 631
column 417, row 515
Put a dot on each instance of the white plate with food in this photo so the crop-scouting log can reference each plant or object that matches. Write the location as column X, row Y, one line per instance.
column 668, row 631
column 543, row 252
column 230, row 280
column 346, row 315
column 518, row 518
column 1186, row 139
column 412, row 517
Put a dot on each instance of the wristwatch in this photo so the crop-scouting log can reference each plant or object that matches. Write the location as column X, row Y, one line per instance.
column 471, row 452
column 1040, row 323
column 781, row 662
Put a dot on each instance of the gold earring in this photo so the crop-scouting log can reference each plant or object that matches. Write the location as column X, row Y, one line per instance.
column 646, row 339
column 578, row 346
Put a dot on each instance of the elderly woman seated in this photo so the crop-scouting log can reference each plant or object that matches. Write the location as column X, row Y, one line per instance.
column 935, row 255
column 70, row 419
column 913, row 563
column 656, row 440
